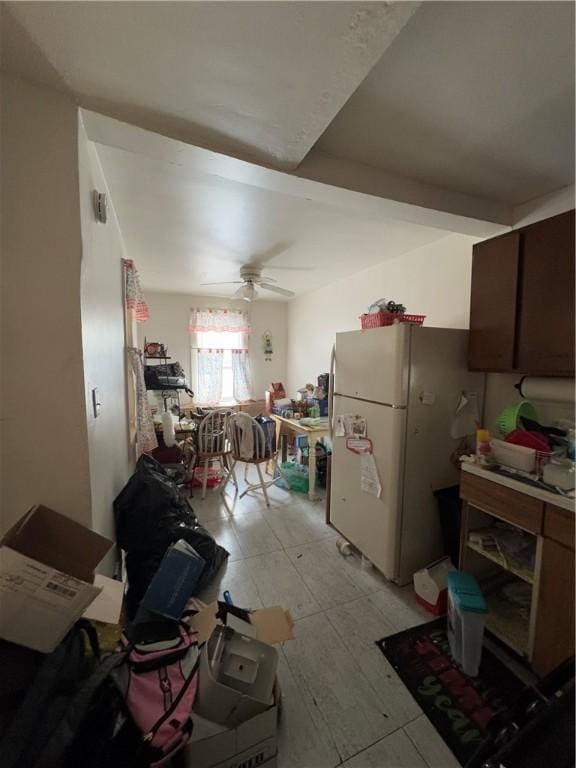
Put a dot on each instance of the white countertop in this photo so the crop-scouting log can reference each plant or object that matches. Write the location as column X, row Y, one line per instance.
column 517, row 485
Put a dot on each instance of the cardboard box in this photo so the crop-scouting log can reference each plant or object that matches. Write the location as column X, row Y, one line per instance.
column 47, row 564
column 107, row 607
column 269, row 625
column 252, row 743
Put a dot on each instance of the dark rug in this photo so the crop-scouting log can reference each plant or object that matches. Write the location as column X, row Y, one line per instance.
column 458, row 706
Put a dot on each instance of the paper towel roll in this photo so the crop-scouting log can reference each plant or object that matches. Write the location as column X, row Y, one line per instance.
column 547, row 390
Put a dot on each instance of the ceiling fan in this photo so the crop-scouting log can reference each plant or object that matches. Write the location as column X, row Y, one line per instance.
column 250, row 277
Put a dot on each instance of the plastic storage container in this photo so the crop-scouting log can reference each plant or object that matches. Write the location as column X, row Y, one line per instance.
column 515, row 456
column 466, row 620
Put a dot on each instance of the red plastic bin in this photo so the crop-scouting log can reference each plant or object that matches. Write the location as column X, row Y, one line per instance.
column 381, row 319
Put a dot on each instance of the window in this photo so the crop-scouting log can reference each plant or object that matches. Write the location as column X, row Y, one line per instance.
column 225, row 341
column 220, row 363
column 227, row 395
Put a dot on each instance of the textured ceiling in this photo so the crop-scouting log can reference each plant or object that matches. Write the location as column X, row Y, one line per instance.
column 260, row 80
column 476, row 97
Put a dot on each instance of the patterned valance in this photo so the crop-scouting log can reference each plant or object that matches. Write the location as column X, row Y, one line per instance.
column 218, row 320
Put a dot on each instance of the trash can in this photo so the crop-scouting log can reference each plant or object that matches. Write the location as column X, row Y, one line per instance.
column 450, row 512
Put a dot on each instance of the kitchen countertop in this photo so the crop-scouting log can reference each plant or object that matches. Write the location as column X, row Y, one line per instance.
column 517, row 485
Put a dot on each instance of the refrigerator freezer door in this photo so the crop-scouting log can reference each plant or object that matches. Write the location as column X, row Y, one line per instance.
column 373, row 364
column 371, row 524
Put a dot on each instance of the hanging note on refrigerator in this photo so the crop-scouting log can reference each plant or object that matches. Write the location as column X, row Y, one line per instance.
column 340, row 425
column 369, row 479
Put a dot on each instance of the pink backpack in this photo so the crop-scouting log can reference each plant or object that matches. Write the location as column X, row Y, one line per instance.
column 159, row 683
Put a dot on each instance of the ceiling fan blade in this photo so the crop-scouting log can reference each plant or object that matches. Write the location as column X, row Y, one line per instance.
column 259, row 280
column 226, row 282
column 277, row 289
column 289, row 268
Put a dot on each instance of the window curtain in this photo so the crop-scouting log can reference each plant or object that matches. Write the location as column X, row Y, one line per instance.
column 219, row 329
column 133, row 295
column 242, row 378
column 210, row 363
column 212, row 331
column 145, row 434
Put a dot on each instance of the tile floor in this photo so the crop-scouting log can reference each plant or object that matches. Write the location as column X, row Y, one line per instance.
column 343, row 704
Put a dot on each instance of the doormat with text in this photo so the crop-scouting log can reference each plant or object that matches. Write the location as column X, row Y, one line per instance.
column 458, row 706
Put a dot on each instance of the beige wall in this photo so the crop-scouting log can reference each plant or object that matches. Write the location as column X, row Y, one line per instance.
column 169, row 317
column 433, row 280
column 103, row 343
column 44, row 440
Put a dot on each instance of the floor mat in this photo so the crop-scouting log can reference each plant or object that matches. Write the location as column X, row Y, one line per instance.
column 458, row 706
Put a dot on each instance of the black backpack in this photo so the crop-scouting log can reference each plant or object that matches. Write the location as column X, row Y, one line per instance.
column 72, row 713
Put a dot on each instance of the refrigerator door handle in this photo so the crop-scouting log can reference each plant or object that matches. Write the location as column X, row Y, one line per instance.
column 331, row 391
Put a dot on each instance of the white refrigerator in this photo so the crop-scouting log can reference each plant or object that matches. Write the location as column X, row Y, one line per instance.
column 406, row 381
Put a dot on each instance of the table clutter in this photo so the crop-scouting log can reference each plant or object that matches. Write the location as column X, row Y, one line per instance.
column 182, row 444
column 302, row 422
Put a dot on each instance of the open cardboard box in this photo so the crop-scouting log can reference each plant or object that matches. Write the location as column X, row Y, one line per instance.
column 47, row 564
column 253, row 742
column 269, row 625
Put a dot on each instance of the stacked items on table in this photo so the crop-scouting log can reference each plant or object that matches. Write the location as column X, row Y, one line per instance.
column 310, row 402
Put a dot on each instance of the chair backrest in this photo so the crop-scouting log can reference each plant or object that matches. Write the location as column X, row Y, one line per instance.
column 252, row 446
column 213, row 433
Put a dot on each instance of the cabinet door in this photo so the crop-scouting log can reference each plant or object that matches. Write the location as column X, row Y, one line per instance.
column 493, row 303
column 545, row 341
column 554, row 635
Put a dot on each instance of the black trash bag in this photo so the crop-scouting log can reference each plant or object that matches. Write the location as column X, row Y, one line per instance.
column 152, row 513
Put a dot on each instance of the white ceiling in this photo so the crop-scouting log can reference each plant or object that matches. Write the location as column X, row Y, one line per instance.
column 258, row 79
column 405, row 121
column 476, row 97
column 185, row 227
column 466, row 107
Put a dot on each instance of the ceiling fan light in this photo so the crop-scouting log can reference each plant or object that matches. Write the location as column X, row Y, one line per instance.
column 246, row 292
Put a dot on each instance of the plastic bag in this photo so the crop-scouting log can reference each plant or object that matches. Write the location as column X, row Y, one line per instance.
column 151, row 513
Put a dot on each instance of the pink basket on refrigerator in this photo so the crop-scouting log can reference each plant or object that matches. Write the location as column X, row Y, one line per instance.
column 382, row 319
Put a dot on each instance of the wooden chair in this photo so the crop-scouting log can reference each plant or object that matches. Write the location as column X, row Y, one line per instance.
column 262, row 451
column 213, row 444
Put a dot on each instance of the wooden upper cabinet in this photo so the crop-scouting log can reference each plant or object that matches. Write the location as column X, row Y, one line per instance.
column 522, row 302
column 495, row 269
column 546, row 314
